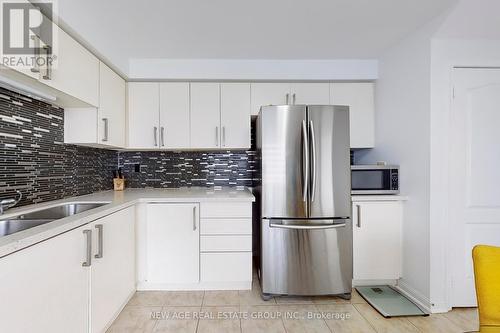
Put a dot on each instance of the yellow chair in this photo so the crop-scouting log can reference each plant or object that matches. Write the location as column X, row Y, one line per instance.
column 487, row 278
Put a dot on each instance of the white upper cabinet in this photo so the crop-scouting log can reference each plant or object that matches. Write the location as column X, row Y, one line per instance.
column 174, row 115
column 310, row 93
column 360, row 99
column 205, row 115
column 143, row 102
column 75, row 72
column 111, row 122
column 235, row 115
column 269, row 94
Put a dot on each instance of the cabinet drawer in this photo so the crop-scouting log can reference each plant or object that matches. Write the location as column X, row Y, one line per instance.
column 226, row 226
column 225, row 243
column 225, row 209
column 214, row 267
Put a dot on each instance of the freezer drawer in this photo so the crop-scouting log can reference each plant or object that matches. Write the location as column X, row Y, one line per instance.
column 306, row 258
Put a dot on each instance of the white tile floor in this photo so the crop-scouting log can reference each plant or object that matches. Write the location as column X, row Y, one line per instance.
column 244, row 311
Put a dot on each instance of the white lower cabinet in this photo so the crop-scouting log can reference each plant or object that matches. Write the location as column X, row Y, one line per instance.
column 173, row 243
column 376, row 240
column 47, row 287
column 113, row 266
column 194, row 246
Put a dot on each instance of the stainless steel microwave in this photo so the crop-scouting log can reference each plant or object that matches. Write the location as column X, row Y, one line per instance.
column 374, row 179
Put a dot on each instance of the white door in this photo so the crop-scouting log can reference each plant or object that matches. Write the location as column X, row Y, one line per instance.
column 173, row 243
column 45, row 288
column 75, row 71
column 269, row 94
column 111, row 122
column 474, row 178
column 113, row 266
column 205, row 115
column 143, row 114
column 360, row 99
column 174, row 115
column 310, row 93
column 235, row 115
column 377, row 240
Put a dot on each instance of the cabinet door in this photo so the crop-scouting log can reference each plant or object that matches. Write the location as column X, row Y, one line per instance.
column 45, row 288
column 205, row 115
column 76, row 70
column 174, row 115
column 113, row 266
column 235, row 115
column 143, row 103
column 173, row 243
column 360, row 99
column 310, row 93
column 269, row 94
column 111, row 122
column 377, row 240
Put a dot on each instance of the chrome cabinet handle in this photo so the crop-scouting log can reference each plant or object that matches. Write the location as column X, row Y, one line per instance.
column 287, row 97
column 36, row 67
column 155, row 134
column 106, row 129
column 293, row 99
column 100, row 249
column 305, row 161
column 194, row 218
column 313, row 159
column 88, row 261
column 162, row 136
column 224, row 136
column 307, row 227
column 358, row 210
column 48, row 70
column 216, row 136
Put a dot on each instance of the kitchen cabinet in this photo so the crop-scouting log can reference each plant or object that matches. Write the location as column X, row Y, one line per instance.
column 45, row 288
column 360, row 99
column 173, row 244
column 113, row 266
column 205, row 115
column 310, row 93
column 102, row 126
column 269, row 94
column 174, row 115
column 377, row 240
column 235, row 115
column 75, row 72
column 288, row 93
column 143, row 102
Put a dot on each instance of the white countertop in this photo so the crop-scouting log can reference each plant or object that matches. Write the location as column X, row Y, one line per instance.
column 388, row 197
column 117, row 201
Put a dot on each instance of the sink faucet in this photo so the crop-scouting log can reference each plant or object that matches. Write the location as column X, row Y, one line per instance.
column 9, row 202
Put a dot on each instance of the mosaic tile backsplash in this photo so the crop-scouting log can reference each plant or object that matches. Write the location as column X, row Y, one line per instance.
column 34, row 159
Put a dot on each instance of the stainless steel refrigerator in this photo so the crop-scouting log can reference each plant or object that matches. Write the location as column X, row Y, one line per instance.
column 304, row 200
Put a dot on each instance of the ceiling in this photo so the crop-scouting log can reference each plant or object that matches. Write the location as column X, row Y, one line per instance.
column 120, row 30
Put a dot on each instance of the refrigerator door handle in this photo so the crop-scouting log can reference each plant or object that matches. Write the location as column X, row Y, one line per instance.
column 307, row 227
column 305, row 161
column 313, row 160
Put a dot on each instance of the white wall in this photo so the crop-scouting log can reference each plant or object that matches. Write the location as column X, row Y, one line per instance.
column 256, row 69
column 403, row 137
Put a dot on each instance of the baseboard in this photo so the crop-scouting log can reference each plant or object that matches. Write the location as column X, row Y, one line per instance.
column 235, row 285
column 421, row 300
column 381, row 282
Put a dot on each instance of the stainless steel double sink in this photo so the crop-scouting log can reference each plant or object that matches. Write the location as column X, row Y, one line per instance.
column 45, row 215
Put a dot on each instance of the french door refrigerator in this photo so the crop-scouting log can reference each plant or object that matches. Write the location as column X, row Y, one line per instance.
column 304, row 199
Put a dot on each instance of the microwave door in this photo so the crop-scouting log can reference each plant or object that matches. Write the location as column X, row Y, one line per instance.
column 330, row 177
column 284, row 155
